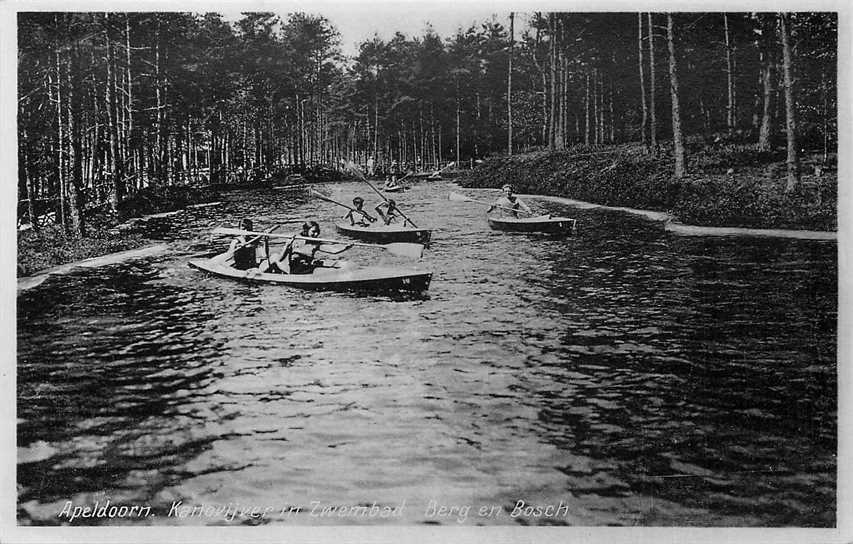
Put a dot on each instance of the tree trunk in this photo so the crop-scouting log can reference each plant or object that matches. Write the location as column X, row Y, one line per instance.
column 765, row 134
column 128, row 135
column 564, row 99
column 790, row 121
column 76, row 203
column 612, row 116
column 23, row 169
column 825, row 113
column 376, row 128
column 458, row 124
column 158, row 127
column 730, row 86
column 586, row 126
column 509, row 86
column 94, row 159
column 595, row 107
column 678, row 144
column 645, row 119
column 60, row 142
column 112, row 119
column 541, row 70
column 552, row 125
column 653, row 126
column 601, row 108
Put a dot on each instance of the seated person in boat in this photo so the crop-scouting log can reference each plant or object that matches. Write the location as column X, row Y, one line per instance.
column 390, row 214
column 246, row 250
column 509, row 204
column 391, row 182
column 363, row 216
column 299, row 255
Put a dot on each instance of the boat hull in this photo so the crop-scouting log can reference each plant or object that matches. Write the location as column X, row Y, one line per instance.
column 552, row 225
column 386, row 234
column 372, row 279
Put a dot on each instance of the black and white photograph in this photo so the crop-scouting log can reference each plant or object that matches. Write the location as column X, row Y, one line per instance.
column 388, row 269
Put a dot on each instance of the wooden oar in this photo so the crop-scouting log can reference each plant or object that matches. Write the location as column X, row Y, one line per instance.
column 404, row 177
column 248, row 233
column 414, row 251
column 354, row 169
column 278, row 225
column 462, row 198
column 253, row 240
column 438, row 172
column 321, row 196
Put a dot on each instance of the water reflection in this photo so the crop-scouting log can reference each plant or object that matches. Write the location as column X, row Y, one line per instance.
column 638, row 377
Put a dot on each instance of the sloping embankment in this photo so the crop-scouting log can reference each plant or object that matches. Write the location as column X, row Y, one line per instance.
column 688, row 230
column 28, row 282
column 727, row 185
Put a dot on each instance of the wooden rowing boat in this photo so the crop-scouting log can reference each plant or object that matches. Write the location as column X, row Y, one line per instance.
column 541, row 223
column 393, row 188
column 372, row 278
column 383, row 234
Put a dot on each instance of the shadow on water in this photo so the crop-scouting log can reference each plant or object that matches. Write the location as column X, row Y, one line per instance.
column 109, row 394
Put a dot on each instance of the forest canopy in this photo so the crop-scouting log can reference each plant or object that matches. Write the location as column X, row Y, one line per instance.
column 110, row 103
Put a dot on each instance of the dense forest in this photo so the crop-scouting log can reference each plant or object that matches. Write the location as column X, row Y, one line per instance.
column 111, row 103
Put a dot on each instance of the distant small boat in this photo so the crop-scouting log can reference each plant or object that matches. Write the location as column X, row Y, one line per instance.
column 372, row 278
column 393, row 188
column 542, row 223
column 386, row 233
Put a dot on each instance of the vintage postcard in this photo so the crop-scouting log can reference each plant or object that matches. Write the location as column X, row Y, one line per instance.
column 426, row 271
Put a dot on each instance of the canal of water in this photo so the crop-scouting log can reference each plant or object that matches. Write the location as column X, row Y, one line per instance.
column 623, row 376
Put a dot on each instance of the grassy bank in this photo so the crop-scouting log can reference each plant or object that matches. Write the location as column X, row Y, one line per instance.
column 51, row 246
column 727, row 185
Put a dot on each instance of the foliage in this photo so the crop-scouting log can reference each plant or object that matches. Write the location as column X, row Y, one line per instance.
column 52, row 247
column 163, row 199
column 626, row 176
column 113, row 104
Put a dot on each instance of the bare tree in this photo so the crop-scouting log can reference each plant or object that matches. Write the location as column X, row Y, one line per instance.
column 790, row 120
column 765, row 133
column 677, row 142
column 642, row 80
column 653, row 128
column 730, row 84
column 509, row 86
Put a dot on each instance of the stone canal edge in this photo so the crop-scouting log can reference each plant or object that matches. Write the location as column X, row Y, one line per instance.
column 28, row 282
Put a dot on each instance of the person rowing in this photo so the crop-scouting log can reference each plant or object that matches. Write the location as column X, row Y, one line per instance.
column 364, row 217
column 299, row 255
column 245, row 250
column 391, row 213
column 391, row 183
column 509, row 204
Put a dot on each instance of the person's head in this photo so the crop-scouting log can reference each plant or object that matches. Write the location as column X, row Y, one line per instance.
column 392, row 205
column 313, row 229
column 246, row 224
column 305, row 228
column 358, row 202
column 507, row 189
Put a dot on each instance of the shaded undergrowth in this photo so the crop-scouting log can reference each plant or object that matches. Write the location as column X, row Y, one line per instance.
column 732, row 185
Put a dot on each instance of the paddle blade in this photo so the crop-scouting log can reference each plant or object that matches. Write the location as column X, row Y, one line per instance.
column 459, row 198
column 413, row 251
column 317, row 192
